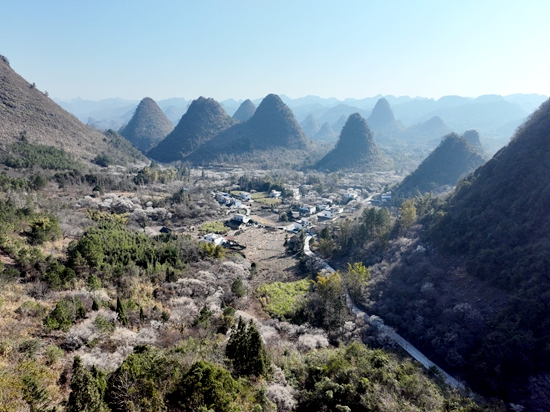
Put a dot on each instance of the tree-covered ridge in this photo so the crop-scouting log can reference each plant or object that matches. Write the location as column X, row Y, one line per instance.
column 204, row 120
column 148, row 126
column 272, row 127
column 498, row 220
column 452, row 159
column 355, row 149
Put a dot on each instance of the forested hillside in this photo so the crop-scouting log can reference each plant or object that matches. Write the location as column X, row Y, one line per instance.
column 473, row 291
column 355, row 149
column 454, row 158
column 148, row 126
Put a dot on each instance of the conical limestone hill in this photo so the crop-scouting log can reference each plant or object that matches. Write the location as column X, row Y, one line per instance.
column 452, row 159
column 355, row 149
column 245, row 111
column 204, row 120
column 326, row 134
column 148, row 126
column 24, row 108
column 382, row 116
column 339, row 125
column 473, row 137
column 272, row 127
column 310, row 126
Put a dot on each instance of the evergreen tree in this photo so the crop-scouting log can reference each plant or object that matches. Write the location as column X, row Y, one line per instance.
column 247, row 351
column 87, row 389
column 238, row 288
column 121, row 312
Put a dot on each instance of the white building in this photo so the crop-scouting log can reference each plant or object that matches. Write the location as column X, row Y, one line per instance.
column 214, row 238
column 307, row 209
column 275, row 194
column 245, row 196
column 239, row 217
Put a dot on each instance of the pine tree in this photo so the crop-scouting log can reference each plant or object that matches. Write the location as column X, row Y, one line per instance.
column 121, row 313
column 247, row 351
column 87, row 389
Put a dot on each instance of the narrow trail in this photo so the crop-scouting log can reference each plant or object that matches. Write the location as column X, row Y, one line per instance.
column 398, row 339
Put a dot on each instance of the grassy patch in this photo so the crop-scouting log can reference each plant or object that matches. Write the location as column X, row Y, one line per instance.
column 259, row 195
column 214, row 227
column 283, row 300
column 269, row 201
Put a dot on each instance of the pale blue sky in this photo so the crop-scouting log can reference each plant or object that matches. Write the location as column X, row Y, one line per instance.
column 247, row 49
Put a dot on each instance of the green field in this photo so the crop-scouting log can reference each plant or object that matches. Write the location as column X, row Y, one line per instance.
column 284, row 300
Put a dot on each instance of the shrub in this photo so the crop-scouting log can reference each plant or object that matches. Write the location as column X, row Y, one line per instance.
column 66, row 312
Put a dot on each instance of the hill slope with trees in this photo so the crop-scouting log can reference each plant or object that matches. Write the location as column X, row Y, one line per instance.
column 148, row 126
column 29, row 112
column 472, row 291
column 454, row 158
column 204, row 120
column 355, row 149
column 271, row 128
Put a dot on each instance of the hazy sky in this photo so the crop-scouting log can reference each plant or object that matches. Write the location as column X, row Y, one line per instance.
column 249, row 48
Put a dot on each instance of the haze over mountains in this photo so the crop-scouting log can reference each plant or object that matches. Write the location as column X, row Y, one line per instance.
column 495, row 117
column 272, row 126
column 204, row 120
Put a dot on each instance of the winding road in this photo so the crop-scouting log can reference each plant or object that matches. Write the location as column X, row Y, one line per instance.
column 398, row 339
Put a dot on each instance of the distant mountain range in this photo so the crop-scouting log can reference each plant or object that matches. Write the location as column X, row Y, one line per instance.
column 494, row 117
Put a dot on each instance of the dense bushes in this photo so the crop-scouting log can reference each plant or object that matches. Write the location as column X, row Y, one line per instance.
column 66, row 312
column 355, row 378
column 110, row 245
column 26, row 155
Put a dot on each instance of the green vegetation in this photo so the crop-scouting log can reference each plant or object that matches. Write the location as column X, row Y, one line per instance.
column 103, row 160
column 26, row 155
column 214, row 227
column 498, row 220
column 355, row 149
column 284, row 300
column 67, row 311
column 452, row 159
column 355, row 378
column 246, row 350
